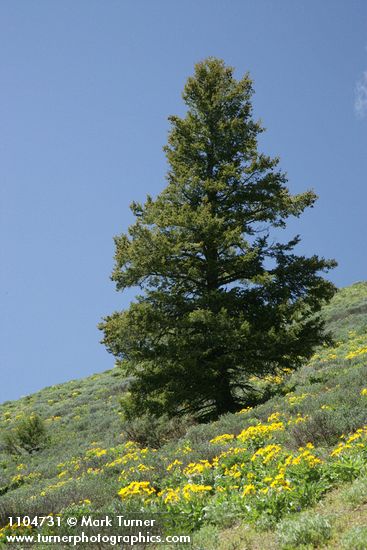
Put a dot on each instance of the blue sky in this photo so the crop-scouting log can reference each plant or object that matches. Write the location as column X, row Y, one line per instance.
column 86, row 88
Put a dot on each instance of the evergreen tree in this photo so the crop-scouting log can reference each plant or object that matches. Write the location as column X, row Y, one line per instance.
column 221, row 301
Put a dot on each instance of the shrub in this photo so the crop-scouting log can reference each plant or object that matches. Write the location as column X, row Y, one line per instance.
column 355, row 539
column 357, row 493
column 206, row 538
column 307, row 529
column 323, row 428
column 210, row 538
column 28, row 435
column 151, row 431
column 223, row 513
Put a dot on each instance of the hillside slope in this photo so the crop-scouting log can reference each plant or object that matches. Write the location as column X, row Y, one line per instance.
column 254, row 472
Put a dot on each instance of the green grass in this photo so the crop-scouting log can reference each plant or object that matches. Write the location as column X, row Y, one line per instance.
column 85, row 452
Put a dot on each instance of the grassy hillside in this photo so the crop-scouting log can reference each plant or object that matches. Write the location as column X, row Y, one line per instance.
column 291, row 471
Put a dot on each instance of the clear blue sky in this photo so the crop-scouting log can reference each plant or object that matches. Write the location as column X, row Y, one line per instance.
column 86, row 88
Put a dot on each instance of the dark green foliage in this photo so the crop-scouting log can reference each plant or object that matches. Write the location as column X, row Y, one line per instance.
column 29, row 435
column 150, row 431
column 222, row 300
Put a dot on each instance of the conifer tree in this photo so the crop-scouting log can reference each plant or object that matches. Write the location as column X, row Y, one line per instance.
column 221, row 301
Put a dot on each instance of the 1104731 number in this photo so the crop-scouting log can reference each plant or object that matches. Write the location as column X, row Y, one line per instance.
column 36, row 521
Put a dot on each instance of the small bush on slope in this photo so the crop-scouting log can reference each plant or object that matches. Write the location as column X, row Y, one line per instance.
column 357, row 493
column 355, row 539
column 29, row 435
column 306, row 530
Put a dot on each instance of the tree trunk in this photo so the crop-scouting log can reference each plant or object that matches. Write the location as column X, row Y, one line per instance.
column 224, row 401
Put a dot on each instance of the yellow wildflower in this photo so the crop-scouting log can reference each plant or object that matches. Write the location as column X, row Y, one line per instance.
column 144, row 468
column 196, row 489
column 137, row 488
column 274, row 417
column 176, row 462
column 197, row 467
column 222, row 438
column 356, row 353
column 170, row 495
column 266, row 453
column 245, row 410
column 249, row 489
column 234, row 471
column 260, row 430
